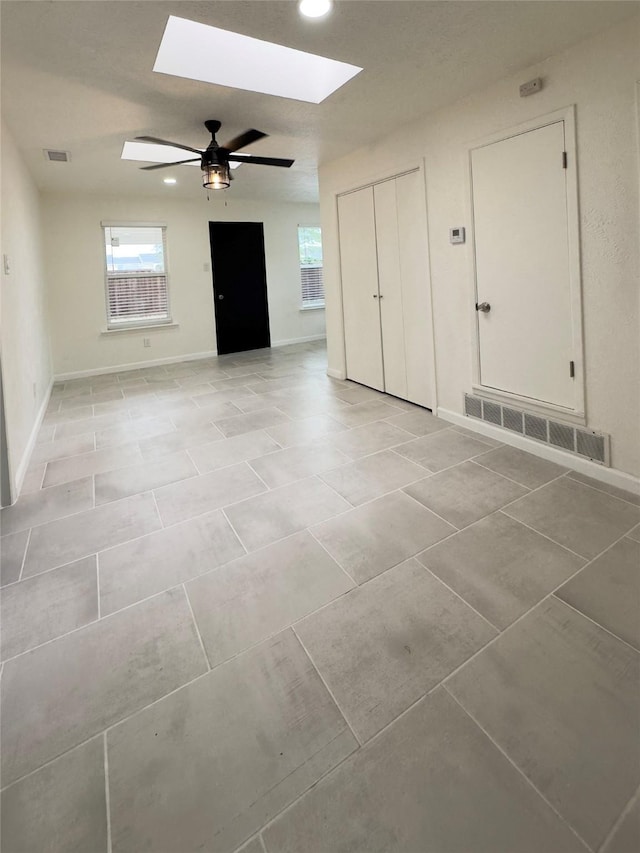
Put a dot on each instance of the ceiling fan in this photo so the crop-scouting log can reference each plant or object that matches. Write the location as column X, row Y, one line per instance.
column 215, row 159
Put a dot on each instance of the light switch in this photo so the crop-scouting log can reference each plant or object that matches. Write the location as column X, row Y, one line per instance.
column 456, row 235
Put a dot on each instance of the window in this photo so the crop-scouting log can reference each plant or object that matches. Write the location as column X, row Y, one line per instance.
column 310, row 247
column 136, row 275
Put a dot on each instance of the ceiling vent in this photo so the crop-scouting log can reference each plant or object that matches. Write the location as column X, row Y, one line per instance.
column 57, row 156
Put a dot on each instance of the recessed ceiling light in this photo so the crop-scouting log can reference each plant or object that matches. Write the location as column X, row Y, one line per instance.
column 314, row 8
column 200, row 52
column 169, row 180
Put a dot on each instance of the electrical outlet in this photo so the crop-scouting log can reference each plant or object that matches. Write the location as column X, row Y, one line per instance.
column 146, row 342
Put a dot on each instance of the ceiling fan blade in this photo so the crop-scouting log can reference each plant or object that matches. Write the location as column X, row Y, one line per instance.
column 166, row 165
column 157, row 141
column 243, row 140
column 260, row 161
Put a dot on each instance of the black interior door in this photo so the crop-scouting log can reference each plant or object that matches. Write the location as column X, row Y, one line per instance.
column 239, row 285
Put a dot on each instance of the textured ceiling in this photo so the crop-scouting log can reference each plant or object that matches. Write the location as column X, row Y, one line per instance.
column 78, row 76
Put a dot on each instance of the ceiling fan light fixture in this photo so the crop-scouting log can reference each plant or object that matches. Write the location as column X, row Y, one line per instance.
column 215, row 176
column 314, row 8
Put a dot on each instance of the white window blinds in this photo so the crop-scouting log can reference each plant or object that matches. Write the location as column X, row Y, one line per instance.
column 310, row 249
column 136, row 275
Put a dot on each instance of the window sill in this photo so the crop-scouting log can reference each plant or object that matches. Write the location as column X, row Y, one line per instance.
column 148, row 328
column 312, row 307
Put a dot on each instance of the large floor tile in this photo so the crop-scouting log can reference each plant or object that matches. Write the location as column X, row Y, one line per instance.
column 138, row 569
column 230, row 451
column 369, row 438
column 465, row 493
column 387, row 643
column 372, row 538
column 525, row 468
column 206, row 767
column 576, row 516
column 304, row 431
column 33, row 479
column 68, row 539
column 372, row 476
column 608, row 591
column 60, row 808
column 266, row 518
column 626, row 836
column 501, row 567
column 47, row 505
column 364, row 413
column 132, row 430
column 68, row 415
column 205, row 415
column 442, row 449
column 59, row 695
column 431, row 783
column 46, row 606
column 560, row 696
column 115, row 485
column 295, row 463
column 91, row 424
column 419, row 422
column 181, row 501
column 185, row 438
column 255, row 597
column 250, row 422
column 616, row 492
column 62, row 448
column 96, row 462
column 12, row 550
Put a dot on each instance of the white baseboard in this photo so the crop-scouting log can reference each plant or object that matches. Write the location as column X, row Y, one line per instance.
column 611, row 476
column 121, row 368
column 298, row 340
column 336, row 374
column 21, row 470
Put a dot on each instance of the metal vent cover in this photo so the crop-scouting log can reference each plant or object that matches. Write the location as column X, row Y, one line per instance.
column 592, row 444
column 535, row 427
column 491, row 412
column 583, row 442
column 57, row 156
column 562, row 436
column 472, row 406
column 512, row 419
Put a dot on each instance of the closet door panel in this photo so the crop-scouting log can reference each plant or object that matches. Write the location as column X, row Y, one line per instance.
column 389, row 279
column 359, row 269
column 416, row 302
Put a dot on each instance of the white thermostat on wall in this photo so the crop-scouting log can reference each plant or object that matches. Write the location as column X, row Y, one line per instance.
column 456, row 235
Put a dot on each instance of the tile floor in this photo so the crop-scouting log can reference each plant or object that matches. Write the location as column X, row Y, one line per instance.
column 246, row 606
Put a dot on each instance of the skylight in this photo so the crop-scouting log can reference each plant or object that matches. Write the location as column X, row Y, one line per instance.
column 200, row 52
column 149, row 153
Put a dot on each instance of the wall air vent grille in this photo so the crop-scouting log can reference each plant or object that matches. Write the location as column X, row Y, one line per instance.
column 562, row 436
column 535, row 427
column 593, row 445
column 472, row 406
column 491, row 413
column 587, row 443
column 512, row 419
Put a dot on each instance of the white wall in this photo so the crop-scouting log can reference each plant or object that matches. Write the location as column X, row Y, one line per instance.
column 26, row 361
column 599, row 76
column 75, row 276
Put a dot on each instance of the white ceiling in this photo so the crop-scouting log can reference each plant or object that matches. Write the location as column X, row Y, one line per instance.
column 78, row 76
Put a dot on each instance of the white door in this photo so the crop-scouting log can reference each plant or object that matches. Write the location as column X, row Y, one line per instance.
column 522, row 266
column 359, row 269
column 416, row 302
column 390, row 284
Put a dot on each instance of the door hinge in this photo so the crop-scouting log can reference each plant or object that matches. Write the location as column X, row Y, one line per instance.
column 564, row 159
column 572, row 369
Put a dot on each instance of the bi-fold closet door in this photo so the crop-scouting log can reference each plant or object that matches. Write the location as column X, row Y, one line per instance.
column 385, row 294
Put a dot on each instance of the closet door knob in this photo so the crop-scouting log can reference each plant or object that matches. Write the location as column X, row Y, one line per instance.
column 375, row 295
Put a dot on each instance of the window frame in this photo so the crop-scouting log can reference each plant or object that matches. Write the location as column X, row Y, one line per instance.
column 136, row 322
column 310, row 305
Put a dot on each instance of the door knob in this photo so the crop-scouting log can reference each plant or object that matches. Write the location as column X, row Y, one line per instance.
column 221, row 296
column 378, row 296
column 375, row 295
column 483, row 306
